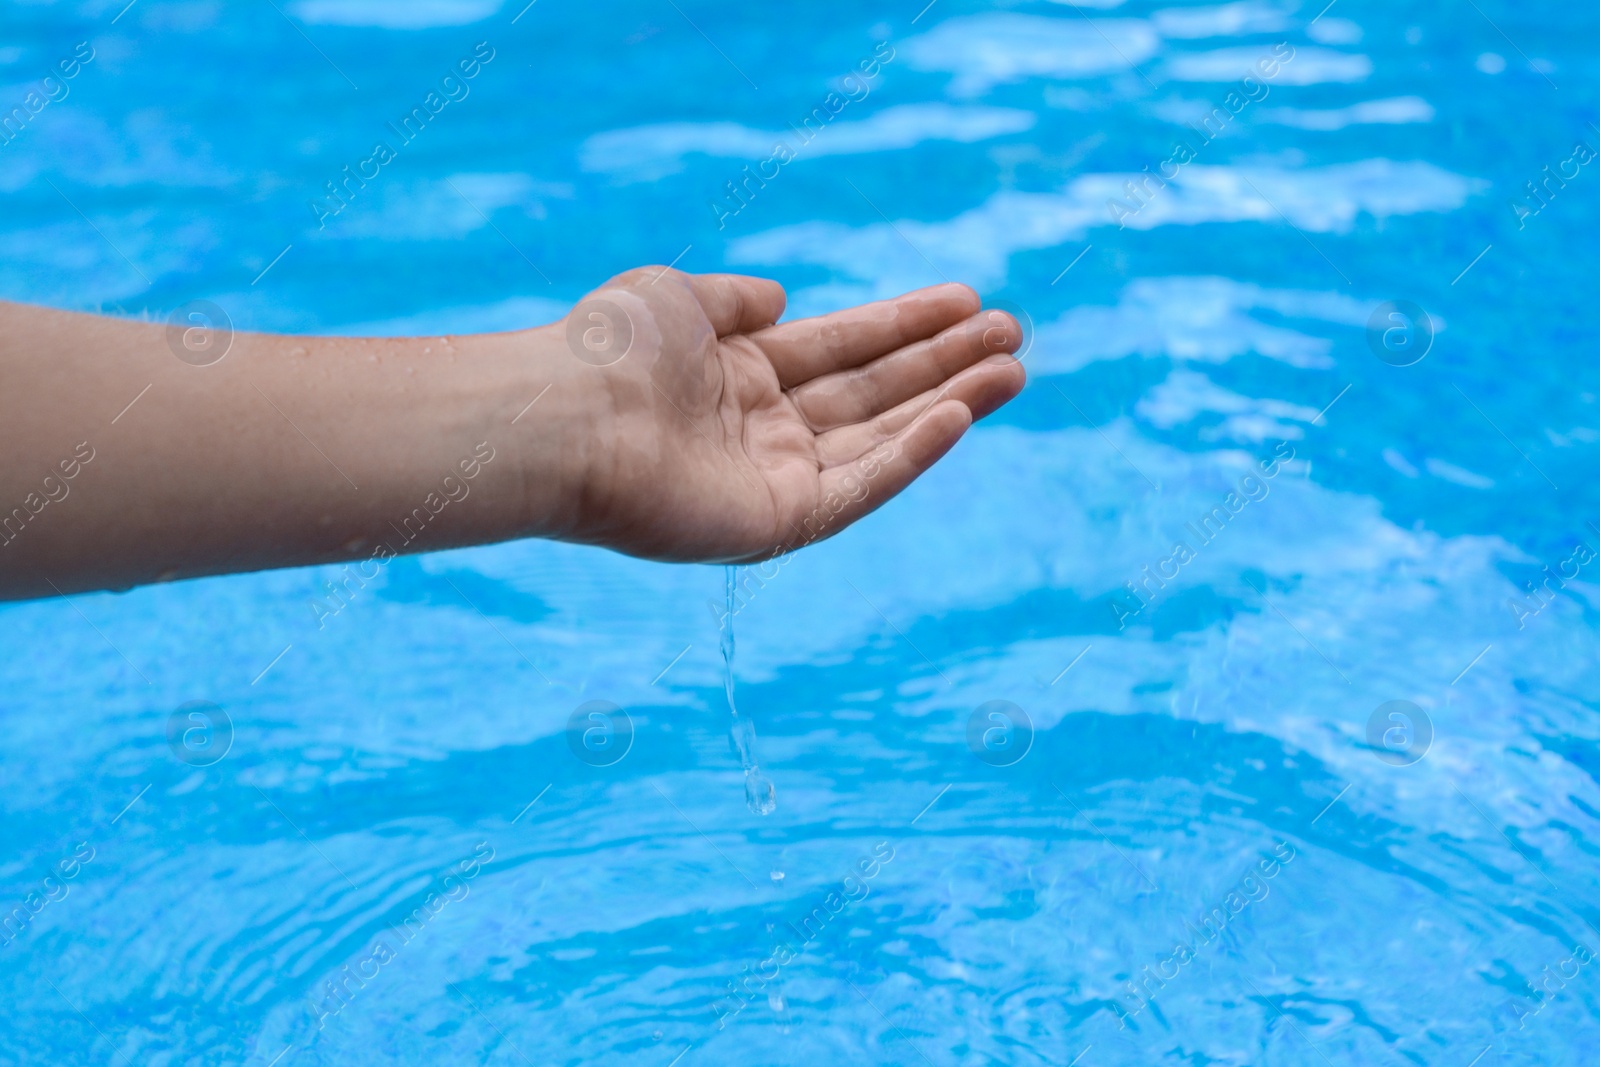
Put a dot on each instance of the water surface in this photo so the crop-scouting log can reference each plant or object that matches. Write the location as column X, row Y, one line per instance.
column 400, row 775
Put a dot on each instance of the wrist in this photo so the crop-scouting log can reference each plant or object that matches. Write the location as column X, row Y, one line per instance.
column 537, row 407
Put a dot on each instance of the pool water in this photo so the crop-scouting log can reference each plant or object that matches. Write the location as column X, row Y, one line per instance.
column 1228, row 698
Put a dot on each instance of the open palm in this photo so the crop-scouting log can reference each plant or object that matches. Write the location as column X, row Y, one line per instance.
column 728, row 438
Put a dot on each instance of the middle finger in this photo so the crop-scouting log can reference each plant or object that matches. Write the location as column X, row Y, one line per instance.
column 853, row 395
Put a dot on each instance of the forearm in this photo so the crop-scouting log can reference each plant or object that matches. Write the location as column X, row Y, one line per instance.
column 287, row 451
column 669, row 416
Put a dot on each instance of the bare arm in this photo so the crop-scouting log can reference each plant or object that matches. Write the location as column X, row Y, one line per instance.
column 669, row 419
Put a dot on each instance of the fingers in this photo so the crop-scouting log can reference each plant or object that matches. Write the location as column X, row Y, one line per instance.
column 982, row 389
column 805, row 348
column 850, row 396
column 737, row 303
column 733, row 303
column 853, row 490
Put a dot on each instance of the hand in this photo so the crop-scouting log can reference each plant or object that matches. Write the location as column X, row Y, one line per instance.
column 697, row 431
column 722, row 437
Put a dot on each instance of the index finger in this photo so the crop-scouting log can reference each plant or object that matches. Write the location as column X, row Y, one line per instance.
column 803, row 349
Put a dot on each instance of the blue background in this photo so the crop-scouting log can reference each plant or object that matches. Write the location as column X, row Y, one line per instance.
column 1230, row 716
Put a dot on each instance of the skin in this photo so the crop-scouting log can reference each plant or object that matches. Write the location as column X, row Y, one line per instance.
column 670, row 419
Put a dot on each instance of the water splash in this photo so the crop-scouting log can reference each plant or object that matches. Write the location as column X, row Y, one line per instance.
column 758, row 789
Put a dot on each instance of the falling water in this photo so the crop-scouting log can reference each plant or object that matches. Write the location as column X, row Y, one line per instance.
column 758, row 790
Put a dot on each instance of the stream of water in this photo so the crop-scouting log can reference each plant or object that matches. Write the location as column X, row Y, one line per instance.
column 758, row 789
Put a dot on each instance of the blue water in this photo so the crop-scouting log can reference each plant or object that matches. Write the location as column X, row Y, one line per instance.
column 400, row 807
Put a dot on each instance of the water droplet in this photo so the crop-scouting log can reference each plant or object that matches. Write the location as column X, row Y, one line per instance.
column 759, row 792
column 657, row 1035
